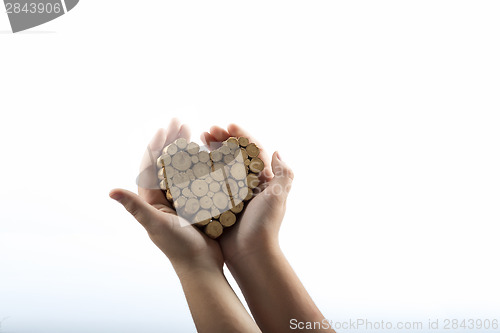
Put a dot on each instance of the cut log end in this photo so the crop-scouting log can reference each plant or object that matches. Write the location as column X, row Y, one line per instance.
column 238, row 208
column 214, row 229
column 243, row 141
column 252, row 150
column 193, row 148
column 181, row 143
column 252, row 180
column 227, row 219
column 256, row 165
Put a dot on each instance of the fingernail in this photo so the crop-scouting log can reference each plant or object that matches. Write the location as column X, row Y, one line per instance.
column 115, row 196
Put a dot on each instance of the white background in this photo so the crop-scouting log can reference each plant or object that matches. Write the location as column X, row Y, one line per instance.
column 388, row 112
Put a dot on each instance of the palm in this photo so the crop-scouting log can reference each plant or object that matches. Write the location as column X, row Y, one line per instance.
column 257, row 223
column 172, row 234
column 259, row 219
column 180, row 239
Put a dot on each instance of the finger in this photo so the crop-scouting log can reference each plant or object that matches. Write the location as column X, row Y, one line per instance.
column 148, row 187
column 153, row 150
column 142, row 211
column 237, row 131
column 172, row 131
column 147, row 181
column 281, row 183
column 209, row 141
column 219, row 133
column 184, row 132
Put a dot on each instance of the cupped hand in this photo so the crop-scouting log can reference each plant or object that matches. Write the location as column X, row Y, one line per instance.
column 259, row 224
column 182, row 243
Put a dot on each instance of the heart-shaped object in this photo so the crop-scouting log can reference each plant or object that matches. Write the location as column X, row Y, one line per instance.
column 26, row 14
column 210, row 189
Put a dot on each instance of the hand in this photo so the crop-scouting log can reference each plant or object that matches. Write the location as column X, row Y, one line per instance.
column 260, row 222
column 251, row 250
column 183, row 244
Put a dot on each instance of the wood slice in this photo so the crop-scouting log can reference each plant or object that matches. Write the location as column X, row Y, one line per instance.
column 231, row 187
column 252, row 180
column 218, row 172
column 180, row 202
column 233, row 143
column 181, row 180
column 256, row 165
column 202, row 218
column 194, row 159
column 193, row 148
column 215, row 212
column 238, row 208
column 163, row 160
column 199, row 188
column 171, row 149
column 249, row 195
column 181, row 161
column 175, row 191
column 229, row 159
column 187, row 192
column 163, row 185
column 227, row 219
column 245, row 194
column 191, row 207
column 241, row 153
column 201, row 170
column 243, row 141
column 238, row 171
column 214, row 187
column 233, row 140
column 213, row 229
column 161, row 173
column 203, row 156
column 169, row 171
column 206, row 202
column 220, row 200
column 190, row 174
column 216, row 156
column 252, row 150
column 225, row 150
column 181, row 143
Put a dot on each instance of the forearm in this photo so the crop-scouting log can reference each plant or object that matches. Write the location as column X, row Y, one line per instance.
column 213, row 304
column 273, row 291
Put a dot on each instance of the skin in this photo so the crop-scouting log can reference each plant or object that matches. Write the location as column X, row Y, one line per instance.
column 197, row 259
column 252, row 253
column 250, row 249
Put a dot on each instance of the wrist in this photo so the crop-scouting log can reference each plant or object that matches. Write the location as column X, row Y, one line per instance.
column 196, row 267
column 258, row 253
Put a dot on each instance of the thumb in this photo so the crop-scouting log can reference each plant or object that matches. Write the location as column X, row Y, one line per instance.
column 281, row 183
column 135, row 205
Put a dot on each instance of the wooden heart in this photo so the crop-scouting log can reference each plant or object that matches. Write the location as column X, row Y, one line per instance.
column 210, row 189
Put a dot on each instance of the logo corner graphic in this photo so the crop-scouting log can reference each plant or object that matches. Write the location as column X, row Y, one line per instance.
column 27, row 14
